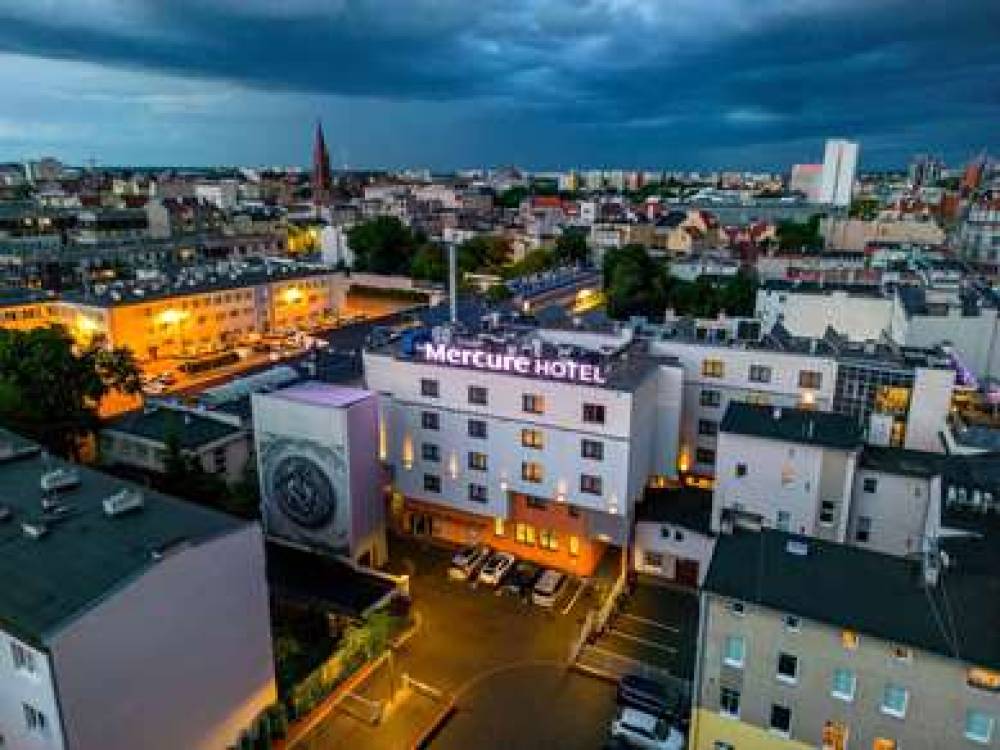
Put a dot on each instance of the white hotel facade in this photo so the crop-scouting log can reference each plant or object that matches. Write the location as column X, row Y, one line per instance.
column 537, row 442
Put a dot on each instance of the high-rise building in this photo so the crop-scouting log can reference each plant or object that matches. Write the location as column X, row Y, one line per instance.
column 807, row 179
column 839, row 162
column 321, row 180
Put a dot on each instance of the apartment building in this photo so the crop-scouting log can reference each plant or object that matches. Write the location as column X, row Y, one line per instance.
column 537, row 441
column 806, row 643
column 127, row 618
column 860, row 312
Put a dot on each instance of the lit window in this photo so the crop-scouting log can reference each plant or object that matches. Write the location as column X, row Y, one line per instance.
column 844, row 684
column 574, row 546
column 735, row 651
column 894, row 700
column 781, row 719
column 788, row 667
column 883, row 743
column 810, row 379
column 531, row 471
column 729, row 702
column 713, row 368
column 984, row 679
column 498, row 526
column 477, row 461
column 849, row 639
column 532, row 403
column 978, row 726
column 547, row 539
column 532, row 439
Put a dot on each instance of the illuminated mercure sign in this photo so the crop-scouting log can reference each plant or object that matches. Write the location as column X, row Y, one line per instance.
column 477, row 359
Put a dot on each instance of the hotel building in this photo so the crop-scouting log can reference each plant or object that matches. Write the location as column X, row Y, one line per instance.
column 534, row 441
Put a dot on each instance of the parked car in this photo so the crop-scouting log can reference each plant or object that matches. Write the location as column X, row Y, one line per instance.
column 651, row 697
column 496, row 568
column 548, row 588
column 467, row 562
column 639, row 729
column 522, row 578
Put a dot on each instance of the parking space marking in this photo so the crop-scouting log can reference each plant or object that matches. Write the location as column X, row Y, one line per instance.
column 576, row 596
column 654, row 623
column 644, row 641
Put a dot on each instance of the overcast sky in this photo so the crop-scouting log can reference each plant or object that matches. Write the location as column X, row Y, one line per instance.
column 462, row 83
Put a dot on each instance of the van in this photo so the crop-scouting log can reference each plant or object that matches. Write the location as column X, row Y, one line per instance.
column 548, row 588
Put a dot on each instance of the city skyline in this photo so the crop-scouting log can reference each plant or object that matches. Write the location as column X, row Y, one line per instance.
column 543, row 85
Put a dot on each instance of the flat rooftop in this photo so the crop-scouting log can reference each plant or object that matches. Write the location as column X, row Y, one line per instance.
column 787, row 424
column 315, row 393
column 191, row 429
column 85, row 556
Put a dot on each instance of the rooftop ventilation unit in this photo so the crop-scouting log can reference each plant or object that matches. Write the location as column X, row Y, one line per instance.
column 123, row 501
column 797, row 547
column 60, row 479
column 9, row 453
column 34, row 530
column 5, row 513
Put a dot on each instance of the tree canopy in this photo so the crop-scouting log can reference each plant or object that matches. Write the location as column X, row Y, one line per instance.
column 50, row 391
column 383, row 245
column 797, row 235
column 571, row 246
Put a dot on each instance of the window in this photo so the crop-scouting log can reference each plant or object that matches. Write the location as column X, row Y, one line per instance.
column 531, row 471
column 478, row 493
column 478, row 395
column 537, row 503
column 430, row 452
column 741, row 470
column 24, row 659
column 524, row 533
column 477, row 461
column 737, row 608
column 429, row 388
column 572, row 511
column 871, row 485
column 810, row 379
column 901, row 653
column 729, row 702
column 432, row 483
column 708, row 427
column 760, row 374
column 704, row 455
column 720, row 745
column 894, row 700
column 532, row 403
column 33, row 718
column 590, row 484
column 781, row 719
column 678, row 535
column 864, row 530
column 827, row 509
column 531, row 438
column 547, row 539
column 849, row 640
column 430, row 420
column 882, row 743
column 498, row 526
column 784, row 520
column 978, row 726
column 710, row 398
column 652, row 559
column 593, row 413
column 477, row 429
column 574, row 546
column 735, row 651
column 713, row 368
column 793, row 623
column 788, row 667
column 984, row 679
column 844, row 684
column 592, row 449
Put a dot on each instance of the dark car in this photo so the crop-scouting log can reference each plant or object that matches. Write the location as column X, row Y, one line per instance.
column 521, row 580
column 652, row 697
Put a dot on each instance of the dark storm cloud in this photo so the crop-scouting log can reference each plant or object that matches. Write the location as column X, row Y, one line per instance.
column 596, row 78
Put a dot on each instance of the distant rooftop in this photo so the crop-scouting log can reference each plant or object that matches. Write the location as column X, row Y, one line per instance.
column 85, row 555
column 902, row 461
column 684, row 506
column 787, row 424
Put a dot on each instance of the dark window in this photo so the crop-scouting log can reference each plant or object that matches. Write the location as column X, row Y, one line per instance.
column 430, row 420
column 532, row 403
column 432, row 483
column 478, row 395
column 477, row 429
column 590, row 484
column 430, row 452
column 788, row 666
column 593, row 413
column 478, row 493
column 760, row 373
column 592, row 449
column 536, row 502
column 729, row 701
column 710, row 398
column 708, row 427
column 827, row 508
column 871, row 485
column 429, row 388
column 864, row 530
column 477, row 461
column 704, row 455
column 810, row 379
column 741, row 470
column 573, row 511
column 781, row 718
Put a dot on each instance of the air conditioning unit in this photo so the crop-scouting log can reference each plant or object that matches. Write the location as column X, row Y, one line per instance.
column 123, row 501
column 60, row 479
column 34, row 530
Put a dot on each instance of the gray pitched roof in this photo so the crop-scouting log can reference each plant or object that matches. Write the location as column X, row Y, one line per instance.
column 792, row 425
column 192, row 430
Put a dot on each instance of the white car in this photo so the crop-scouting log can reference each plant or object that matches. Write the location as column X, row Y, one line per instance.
column 639, row 729
column 467, row 562
column 496, row 568
column 548, row 588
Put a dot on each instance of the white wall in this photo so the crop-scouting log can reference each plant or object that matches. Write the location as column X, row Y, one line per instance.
column 18, row 687
column 858, row 317
column 179, row 658
column 930, row 402
column 662, row 538
column 897, row 509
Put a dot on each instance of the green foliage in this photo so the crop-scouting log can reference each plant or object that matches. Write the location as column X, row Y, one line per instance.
column 863, row 208
column 571, row 246
column 383, row 245
column 430, row 264
column 512, row 197
column 484, row 252
column 795, row 235
column 50, row 391
column 533, row 262
column 498, row 293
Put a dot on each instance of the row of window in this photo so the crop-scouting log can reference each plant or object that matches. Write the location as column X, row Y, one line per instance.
column 531, row 403
column 531, row 471
column 716, row 368
column 530, row 437
column 546, row 539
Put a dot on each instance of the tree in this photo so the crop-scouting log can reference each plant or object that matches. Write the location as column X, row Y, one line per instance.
column 383, row 245
column 512, row 197
column 795, row 235
column 533, row 262
column 634, row 283
column 571, row 246
column 863, row 208
column 429, row 264
column 484, row 252
column 498, row 293
column 50, row 391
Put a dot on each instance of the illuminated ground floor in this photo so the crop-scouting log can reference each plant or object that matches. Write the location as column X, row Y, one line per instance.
column 549, row 533
column 711, row 730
